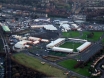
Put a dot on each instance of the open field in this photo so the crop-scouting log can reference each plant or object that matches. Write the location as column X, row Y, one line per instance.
column 71, row 45
column 71, row 34
column 69, row 64
column 96, row 36
column 36, row 64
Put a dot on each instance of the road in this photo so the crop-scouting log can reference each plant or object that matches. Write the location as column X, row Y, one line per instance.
column 98, row 67
column 7, row 51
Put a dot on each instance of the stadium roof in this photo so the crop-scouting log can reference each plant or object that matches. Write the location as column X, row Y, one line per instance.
column 83, row 46
column 53, row 43
column 6, row 28
column 68, row 50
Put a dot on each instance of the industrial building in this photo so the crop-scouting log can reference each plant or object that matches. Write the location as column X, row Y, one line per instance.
column 47, row 27
column 65, row 27
column 21, row 45
column 5, row 28
column 75, row 26
column 25, row 42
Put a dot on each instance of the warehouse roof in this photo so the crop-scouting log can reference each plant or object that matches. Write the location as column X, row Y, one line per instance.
column 47, row 27
column 75, row 25
column 50, row 27
column 65, row 26
column 21, row 44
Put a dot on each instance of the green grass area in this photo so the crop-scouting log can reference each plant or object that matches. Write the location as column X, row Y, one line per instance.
column 35, row 63
column 96, row 36
column 71, row 45
column 69, row 64
column 71, row 34
column 74, row 34
column 61, row 54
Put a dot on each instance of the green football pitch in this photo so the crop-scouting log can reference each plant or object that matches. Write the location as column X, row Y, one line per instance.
column 71, row 45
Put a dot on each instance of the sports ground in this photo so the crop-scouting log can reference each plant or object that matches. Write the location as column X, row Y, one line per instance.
column 71, row 45
column 69, row 64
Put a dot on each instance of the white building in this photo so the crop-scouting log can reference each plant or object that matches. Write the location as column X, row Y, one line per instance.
column 55, row 43
column 63, row 22
column 21, row 45
column 65, row 26
column 74, row 25
column 49, row 27
column 44, row 40
column 79, row 29
column 83, row 46
column 37, row 26
column 77, row 40
column 62, row 49
column 17, row 37
column 42, row 19
column 36, row 42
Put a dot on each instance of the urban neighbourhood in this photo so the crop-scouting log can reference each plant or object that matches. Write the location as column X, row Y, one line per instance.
column 52, row 38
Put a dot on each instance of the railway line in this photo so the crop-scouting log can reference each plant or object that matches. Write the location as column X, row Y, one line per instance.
column 7, row 52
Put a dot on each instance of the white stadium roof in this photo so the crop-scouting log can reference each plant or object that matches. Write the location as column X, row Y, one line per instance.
column 62, row 49
column 53, row 43
column 83, row 46
column 77, row 39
